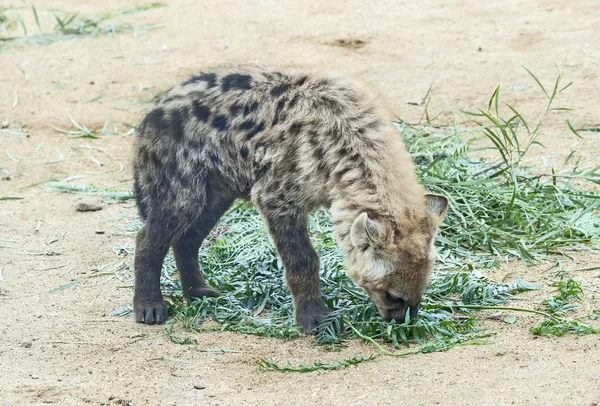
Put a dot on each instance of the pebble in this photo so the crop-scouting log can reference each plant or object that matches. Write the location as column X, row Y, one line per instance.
column 89, row 203
column 26, row 344
column 199, row 387
column 99, row 231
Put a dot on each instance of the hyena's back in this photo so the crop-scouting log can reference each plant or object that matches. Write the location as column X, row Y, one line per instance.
column 285, row 138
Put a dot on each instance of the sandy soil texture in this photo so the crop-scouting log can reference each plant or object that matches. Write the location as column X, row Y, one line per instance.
column 63, row 346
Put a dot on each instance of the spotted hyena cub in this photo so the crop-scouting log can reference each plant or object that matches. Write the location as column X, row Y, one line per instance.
column 289, row 141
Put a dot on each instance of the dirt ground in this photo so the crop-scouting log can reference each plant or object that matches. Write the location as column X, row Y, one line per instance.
column 65, row 347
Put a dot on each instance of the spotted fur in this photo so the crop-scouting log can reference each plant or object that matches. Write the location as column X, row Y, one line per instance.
column 289, row 141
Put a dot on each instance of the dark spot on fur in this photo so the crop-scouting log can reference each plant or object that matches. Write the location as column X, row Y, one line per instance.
column 244, row 152
column 319, row 154
column 213, row 157
column 156, row 120
column 186, row 154
column 301, row 80
column 340, row 174
column 248, row 124
column 220, row 122
column 235, row 109
column 279, row 89
column 331, row 104
column 259, row 128
column 201, row 112
column 250, row 108
column 178, row 125
column 155, row 159
column 294, row 100
column 278, row 111
column 236, row 81
column 295, row 129
column 210, row 79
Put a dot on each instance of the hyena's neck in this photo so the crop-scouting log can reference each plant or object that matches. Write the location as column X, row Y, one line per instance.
column 382, row 184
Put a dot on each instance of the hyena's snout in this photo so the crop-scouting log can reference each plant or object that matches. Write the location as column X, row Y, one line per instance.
column 397, row 308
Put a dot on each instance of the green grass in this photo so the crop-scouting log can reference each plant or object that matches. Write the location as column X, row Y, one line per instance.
column 68, row 25
column 108, row 193
column 268, row 365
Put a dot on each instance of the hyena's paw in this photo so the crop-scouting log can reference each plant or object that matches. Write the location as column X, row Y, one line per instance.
column 202, row 292
column 151, row 312
column 309, row 314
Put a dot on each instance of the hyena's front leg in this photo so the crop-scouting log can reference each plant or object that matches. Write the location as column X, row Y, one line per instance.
column 301, row 263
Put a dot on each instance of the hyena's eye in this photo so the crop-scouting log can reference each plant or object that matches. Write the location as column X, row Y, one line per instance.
column 394, row 301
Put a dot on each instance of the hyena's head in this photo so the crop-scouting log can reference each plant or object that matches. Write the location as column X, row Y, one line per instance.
column 393, row 262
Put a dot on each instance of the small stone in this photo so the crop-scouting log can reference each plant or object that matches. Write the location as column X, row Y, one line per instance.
column 34, row 377
column 26, row 344
column 199, row 387
column 99, row 231
column 89, row 203
column 495, row 316
column 5, row 124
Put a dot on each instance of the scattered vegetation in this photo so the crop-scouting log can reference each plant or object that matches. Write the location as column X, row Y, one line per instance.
column 82, row 131
column 108, row 193
column 269, row 365
column 68, row 25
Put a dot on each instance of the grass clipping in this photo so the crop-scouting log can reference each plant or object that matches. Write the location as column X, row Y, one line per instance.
column 500, row 210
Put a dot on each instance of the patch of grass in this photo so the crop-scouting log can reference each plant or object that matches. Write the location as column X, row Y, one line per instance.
column 82, row 131
column 504, row 208
column 70, row 25
column 268, row 365
column 3, row 198
column 568, row 291
column 559, row 328
column 107, row 193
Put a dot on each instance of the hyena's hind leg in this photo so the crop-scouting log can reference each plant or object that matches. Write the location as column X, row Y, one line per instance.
column 185, row 249
column 301, row 262
column 152, row 244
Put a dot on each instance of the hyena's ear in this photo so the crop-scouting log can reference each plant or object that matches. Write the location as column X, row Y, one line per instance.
column 365, row 232
column 436, row 207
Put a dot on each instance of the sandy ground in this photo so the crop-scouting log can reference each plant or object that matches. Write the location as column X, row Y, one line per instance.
column 65, row 347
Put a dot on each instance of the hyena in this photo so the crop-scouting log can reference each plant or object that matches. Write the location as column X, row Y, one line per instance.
column 289, row 141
